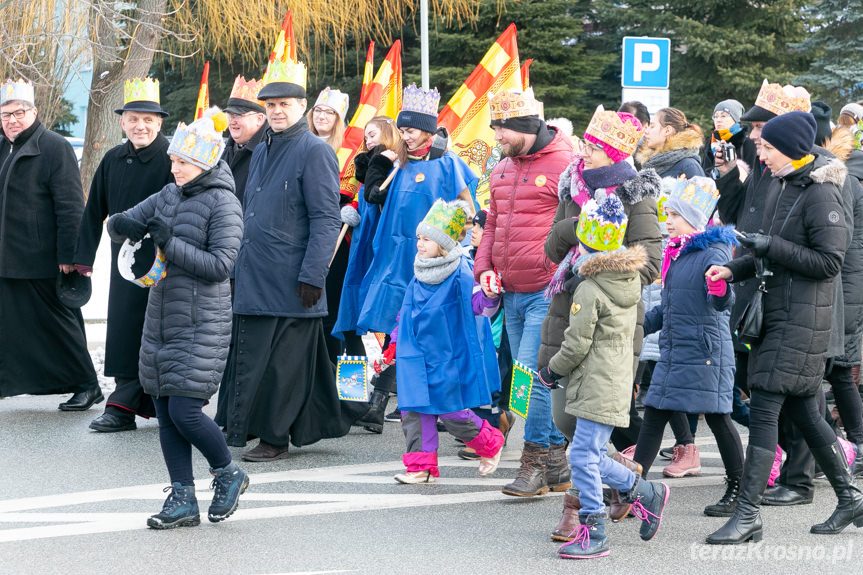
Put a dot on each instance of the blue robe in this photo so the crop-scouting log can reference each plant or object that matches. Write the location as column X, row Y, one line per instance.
column 412, row 192
column 446, row 361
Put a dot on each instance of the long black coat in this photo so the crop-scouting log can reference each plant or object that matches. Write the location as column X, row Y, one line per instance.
column 41, row 201
column 805, row 255
column 852, row 268
column 125, row 177
column 238, row 159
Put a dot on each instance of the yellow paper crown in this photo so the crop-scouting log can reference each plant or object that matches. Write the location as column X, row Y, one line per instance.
column 607, row 127
column 17, row 90
column 138, row 89
column 334, row 99
column 287, row 71
column 247, row 90
column 783, row 99
column 512, row 104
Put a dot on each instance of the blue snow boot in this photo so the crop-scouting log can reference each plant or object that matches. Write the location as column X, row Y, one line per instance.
column 228, row 484
column 180, row 509
column 648, row 500
column 590, row 540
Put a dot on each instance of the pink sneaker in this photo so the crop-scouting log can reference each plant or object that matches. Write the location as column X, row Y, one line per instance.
column 849, row 449
column 685, row 461
column 628, row 453
column 777, row 467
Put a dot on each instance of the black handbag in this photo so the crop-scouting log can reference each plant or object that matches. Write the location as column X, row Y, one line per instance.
column 750, row 328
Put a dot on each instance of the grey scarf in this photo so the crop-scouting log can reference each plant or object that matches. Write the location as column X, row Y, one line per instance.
column 434, row 271
column 663, row 161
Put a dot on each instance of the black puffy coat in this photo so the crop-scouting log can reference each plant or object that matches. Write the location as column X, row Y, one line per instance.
column 744, row 147
column 239, row 159
column 808, row 240
column 852, row 267
column 188, row 324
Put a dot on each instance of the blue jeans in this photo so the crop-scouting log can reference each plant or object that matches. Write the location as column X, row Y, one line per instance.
column 591, row 466
column 524, row 314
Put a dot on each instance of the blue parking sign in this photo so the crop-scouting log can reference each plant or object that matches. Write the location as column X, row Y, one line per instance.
column 646, row 62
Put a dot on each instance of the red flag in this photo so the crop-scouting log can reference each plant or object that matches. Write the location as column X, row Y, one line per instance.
column 203, row 93
column 525, row 73
column 368, row 71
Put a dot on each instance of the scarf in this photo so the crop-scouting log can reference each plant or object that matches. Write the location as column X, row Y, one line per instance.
column 569, row 267
column 420, row 153
column 586, row 182
column 725, row 135
column 663, row 161
column 434, row 271
column 672, row 252
column 793, row 166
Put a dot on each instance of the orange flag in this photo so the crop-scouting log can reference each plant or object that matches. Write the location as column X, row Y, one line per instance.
column 381, row 97
column 368, row 71
column 203, row 93
column 525, row 73
column 466, row 116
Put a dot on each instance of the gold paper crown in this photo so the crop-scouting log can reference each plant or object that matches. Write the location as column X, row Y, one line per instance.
column 512, row 104
column 247, row 90
column 607, row 127
column 334, row 99
column 17, row 90
column 138, row 89
column 783, row 99
column 287, row 71
column 200, row 143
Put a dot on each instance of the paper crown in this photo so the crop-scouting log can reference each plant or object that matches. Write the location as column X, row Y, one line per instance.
column 126, row 258
column 602, row 223
column 287, row 71
column 200, row 143
column 444, row 222
column 17, row 90
column 512, row 104
column 247, row 90
column 694, row 199
column 420, row 101
column 138, row 89
column 607, row 127
column 334, row 99
column 783, row 99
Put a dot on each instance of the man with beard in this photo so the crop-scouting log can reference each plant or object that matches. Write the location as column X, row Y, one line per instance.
column 126, row 176
column 523, row 201
column 43, row 346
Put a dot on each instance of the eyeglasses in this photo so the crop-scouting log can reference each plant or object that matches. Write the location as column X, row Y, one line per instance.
column 19, row 113
column 231, row 115
column 323, row 111
column 721, row 116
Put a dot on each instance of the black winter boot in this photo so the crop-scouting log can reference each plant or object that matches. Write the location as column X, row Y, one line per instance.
column 850, row 508
column 557, row 473
column 745, row 523
column 725, row 507
column 530, row 479
column 179, row 510
column 648, row 499
column 858, row 462
column 373, row 420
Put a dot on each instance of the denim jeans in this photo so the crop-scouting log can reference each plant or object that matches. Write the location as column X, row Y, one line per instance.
column 591, row 466
column 524, row 314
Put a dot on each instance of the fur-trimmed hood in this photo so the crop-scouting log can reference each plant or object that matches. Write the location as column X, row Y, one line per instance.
column 712, row 235
column 685, row 140
column 832, row 171
column 646, row 184
column 616, row 274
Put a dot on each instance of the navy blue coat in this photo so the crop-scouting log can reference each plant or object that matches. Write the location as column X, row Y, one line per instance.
column 695, row 373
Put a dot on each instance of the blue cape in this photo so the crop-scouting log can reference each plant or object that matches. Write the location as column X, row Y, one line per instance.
column 446, row 359
column 412, row 192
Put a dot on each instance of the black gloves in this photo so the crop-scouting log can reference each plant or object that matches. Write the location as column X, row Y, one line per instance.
column 126, row 226
column 159, row 231
column 548, row 378
column 758, row 243
column 379, row 168
column 309, row 294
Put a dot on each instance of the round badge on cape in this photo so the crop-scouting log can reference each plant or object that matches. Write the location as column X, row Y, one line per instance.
column 420, row 177
column 126, row 258
column 540, row 180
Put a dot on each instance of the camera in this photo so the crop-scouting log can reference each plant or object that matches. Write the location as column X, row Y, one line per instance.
column 729, row 154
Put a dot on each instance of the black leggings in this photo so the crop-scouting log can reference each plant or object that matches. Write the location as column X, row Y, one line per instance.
column 182, row 424
column 727, row 439
column 764, row 408
column 847, row 398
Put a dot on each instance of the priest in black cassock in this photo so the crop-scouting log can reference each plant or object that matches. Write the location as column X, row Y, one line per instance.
column 43, row 345
column 247, row 126
column 127, row 175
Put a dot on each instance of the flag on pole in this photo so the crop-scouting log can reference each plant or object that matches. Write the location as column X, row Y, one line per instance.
column 466, row 116
column 381, row 97
column 203, row 93
column 368, row 71
column 525, row 73
column 286, row 44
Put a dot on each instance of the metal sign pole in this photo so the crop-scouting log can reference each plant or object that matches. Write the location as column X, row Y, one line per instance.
column 424, row 42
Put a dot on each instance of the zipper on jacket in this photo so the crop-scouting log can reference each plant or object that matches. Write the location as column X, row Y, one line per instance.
column 195, row 304
column 511, row 207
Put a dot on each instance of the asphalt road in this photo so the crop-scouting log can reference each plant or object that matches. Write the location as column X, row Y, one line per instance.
column 75, row 501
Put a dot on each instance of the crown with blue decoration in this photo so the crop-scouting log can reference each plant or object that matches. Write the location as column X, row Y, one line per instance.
column 17, row 90
column 694, row 199
column 201, row 143
column 602, row 223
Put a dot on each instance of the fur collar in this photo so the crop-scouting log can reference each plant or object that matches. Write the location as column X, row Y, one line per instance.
column 685, row 140
column 646, row 184
column 712, row 235
column 630, row 259
column 832, row 172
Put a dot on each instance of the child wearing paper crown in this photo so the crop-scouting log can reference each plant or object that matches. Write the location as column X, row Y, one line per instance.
column 197, row 223
column 447, row 364
column 596, row 354
column 695, row 373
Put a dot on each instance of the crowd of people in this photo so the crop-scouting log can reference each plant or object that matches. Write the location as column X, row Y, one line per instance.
column 645, row 265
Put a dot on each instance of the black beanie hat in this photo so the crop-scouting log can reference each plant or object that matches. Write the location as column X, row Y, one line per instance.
column 793, row 133
column 821, row 112
column 522, row 124
column 418, row 120
column 757, row 114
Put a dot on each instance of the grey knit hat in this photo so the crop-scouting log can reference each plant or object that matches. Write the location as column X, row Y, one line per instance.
column 731, row 107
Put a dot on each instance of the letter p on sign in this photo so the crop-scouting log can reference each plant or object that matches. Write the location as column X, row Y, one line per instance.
column 646, row 62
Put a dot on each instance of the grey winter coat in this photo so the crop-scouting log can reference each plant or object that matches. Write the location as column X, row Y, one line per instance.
column 651, row 296
column 188, row 323
column 852, row 267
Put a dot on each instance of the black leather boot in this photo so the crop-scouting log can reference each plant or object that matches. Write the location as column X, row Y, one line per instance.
column 858, row 462
column 373, row 420
column 850, row 508
column 745, row 524
column 725, row 506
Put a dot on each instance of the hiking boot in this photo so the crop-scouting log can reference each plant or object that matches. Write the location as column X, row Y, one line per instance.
column 725, row 507
column 228, row 484
column 373, row 420
column 179, row 510
column 617, row 508
column 530, row 479
column 569, row 520
column 589, row 540
column 648, row 499
column 557, row 472
column 685, row 461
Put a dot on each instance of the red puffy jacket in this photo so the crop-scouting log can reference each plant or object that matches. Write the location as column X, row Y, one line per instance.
column 522, row 206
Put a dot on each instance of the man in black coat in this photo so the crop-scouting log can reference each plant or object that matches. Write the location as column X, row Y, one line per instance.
column 43, row 345
column 247, row 125
column 127, row 175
